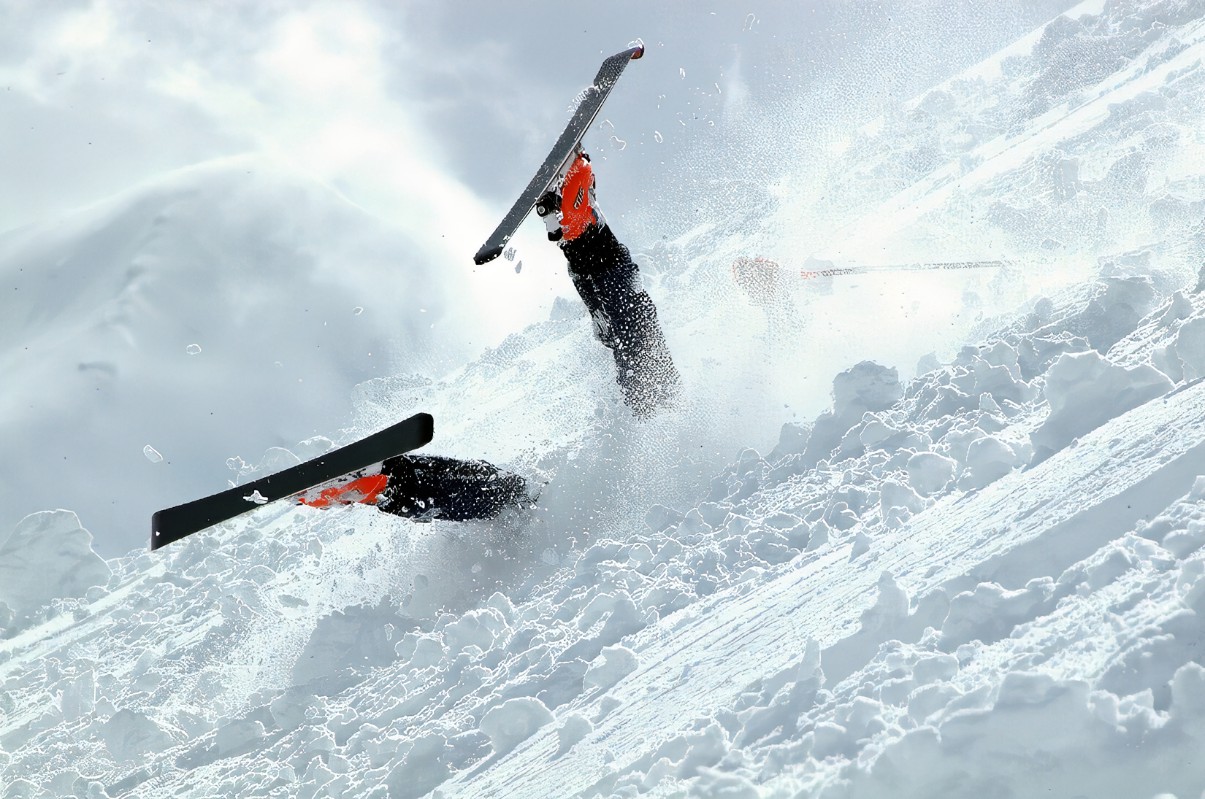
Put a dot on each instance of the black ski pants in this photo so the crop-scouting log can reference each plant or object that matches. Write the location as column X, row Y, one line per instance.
column 625, row 319
column 434, row 487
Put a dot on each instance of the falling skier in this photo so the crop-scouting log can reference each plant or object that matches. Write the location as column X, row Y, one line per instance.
column 431, row 487
column 624, row 321
column 608, row 281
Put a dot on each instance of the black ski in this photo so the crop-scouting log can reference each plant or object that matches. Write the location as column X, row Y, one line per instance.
column 562, row 151
column 172, row 524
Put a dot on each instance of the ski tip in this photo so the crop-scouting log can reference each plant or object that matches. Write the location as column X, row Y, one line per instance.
column 485, row 255
column 427, row 433
column 638, row 51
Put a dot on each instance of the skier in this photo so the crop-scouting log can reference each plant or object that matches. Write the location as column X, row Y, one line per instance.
column 427, row 487
column 602, row 271
column 625, row 321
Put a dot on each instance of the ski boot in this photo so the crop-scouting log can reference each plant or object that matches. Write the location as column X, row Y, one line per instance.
column 548, row 208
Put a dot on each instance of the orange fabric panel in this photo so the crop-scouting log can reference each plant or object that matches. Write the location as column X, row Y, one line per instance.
column 363, row 489
column 576, row 212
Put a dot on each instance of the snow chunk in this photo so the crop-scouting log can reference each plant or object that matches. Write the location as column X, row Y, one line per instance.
column 479, row 628
column 792, row 440
column 991, row 611
column 1188, row 348
column 575, row 728
column 129, row 734
column 1085, row 390
column 48, row 555
column 720, row 784
column 890, row 607
column 1117, row 305
column 661, row 518
column 988, row 459
column 991, row 373
column 513, row 722
column 929, row 473
column 611, row 666
column 867, row 386
column 1188, row 690
column 898, row 498
column 78, row 697
column 238, row 737
column 355, row 637
column 1025, row 688
column 422, row 769
column 704, row 747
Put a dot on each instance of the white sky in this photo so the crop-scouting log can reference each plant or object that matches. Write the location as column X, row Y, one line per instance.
column 434, row 116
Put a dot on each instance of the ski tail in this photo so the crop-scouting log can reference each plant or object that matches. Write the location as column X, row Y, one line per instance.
column 308, row 481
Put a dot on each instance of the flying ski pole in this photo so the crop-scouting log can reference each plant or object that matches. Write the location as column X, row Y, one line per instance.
column 936, row 266
column 762, row 278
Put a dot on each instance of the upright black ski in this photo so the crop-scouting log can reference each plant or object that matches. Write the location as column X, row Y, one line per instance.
column 562, row 151
column 172, row 524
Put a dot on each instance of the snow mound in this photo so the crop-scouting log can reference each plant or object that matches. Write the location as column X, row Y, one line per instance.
column 514, row 721
column 1084, row 390
column 48, row 556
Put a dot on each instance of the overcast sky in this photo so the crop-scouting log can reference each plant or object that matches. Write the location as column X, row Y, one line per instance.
column 433, row 116
column 409, row 107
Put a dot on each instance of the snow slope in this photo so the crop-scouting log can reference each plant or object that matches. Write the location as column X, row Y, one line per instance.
column 980, row 576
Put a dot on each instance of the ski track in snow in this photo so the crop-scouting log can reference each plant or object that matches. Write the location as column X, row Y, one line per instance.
column 986, row 579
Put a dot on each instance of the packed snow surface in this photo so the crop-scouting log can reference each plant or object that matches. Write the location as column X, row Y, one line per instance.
column 977, row 570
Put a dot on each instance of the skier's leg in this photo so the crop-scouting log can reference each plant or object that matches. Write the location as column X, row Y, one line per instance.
column 625, row 319
column 589, row 289
column 608, row 281
column 434, row 487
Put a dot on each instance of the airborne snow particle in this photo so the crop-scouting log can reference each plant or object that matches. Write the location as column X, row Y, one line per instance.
column 193, row 349
column 152, row 454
